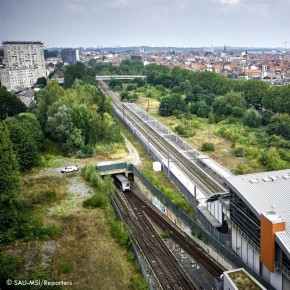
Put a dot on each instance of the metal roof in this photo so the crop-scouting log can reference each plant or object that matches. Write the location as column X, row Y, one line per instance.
column 263, row 192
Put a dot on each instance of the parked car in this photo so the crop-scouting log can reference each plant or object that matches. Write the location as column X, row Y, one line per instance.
column 69, row 169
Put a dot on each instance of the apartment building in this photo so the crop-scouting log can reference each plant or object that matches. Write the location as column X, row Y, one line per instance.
column 24, row 63
column 70, row 56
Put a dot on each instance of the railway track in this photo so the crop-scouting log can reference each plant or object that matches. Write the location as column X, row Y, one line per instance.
column 166, row 268
column 189, row 245
column 202, row 179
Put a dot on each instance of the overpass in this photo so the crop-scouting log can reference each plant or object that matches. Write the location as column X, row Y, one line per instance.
column 119, row 77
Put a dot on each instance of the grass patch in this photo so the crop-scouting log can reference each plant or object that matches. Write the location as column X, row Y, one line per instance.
column 43, row 190
column 88, row 256
column 111, row 151
column 160, row 180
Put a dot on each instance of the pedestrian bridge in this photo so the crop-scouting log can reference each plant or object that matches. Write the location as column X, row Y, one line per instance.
column 109, row 168
column 119, row 77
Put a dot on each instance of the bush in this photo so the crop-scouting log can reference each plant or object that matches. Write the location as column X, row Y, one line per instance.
column 9, row 266
column 242, row 169
column 165, row 234
column 97, row 200
column 207, row 147
column 86, row 151
column 252, row 118
column 65, row 267
column 184, row 131
column 272, row 160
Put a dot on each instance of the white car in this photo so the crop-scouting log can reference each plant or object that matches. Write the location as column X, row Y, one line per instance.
column 70, row 169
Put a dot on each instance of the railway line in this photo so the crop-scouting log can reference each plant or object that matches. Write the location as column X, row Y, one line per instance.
column 166, row 268
column 191, row 246
column 206, row 183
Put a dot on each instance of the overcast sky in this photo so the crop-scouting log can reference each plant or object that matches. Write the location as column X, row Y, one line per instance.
column 183, row 23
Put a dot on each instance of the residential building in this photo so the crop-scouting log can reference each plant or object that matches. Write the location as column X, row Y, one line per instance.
column 24, row 63
column 70, row 56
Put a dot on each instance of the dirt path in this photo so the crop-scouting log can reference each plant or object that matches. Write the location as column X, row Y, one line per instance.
column 40, row 254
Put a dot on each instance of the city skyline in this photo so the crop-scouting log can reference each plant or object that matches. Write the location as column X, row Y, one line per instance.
column 184, row 23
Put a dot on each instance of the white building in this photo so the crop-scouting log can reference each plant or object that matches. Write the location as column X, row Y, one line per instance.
column 24, row 62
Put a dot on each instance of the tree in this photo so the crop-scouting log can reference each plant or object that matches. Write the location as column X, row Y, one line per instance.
column 41, row 82
column 280, row 125
column 59, row 124
column 45, row 98
column 74, row 142
column 78, row 71
column 31, row 123
column 252, row 118
column 223, row 105
column 254, row 91
column 24, row 145
column 10, row 105
column 9, row 186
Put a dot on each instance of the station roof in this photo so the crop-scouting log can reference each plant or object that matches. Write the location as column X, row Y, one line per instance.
column 264, row 192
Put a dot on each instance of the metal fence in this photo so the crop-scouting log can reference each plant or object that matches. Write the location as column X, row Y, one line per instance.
column 216, row 239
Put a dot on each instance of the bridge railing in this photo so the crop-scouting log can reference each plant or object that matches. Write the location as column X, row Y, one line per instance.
column 111, row 167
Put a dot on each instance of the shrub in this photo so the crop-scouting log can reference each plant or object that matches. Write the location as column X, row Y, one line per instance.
column 272, row 160
column 184, row 131
column 86, row 151
column 252, row 118
column 97, row 200
column 207, row 147
column 65, row 267
column 9, row 266
column 242, row 168
column 166, row 234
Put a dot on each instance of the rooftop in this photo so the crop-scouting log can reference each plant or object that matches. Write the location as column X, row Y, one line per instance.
column 265, row 192
column 243, row 280
column 22, row 42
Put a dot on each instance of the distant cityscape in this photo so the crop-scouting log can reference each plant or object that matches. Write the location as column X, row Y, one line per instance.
column 23, row 62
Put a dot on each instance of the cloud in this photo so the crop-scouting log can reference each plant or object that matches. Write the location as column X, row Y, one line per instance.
column 230, row 2
column 74, row 7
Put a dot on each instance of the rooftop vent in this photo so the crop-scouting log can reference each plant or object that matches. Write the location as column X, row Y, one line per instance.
column 267, row 179
column 274, row 178
column 286, row 176
column 255, row 180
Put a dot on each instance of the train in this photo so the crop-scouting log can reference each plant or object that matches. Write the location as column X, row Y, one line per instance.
column 122, row 182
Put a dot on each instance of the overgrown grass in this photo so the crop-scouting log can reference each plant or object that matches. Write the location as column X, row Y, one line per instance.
column 38, row 194
column 105, row 188
column 157, row 178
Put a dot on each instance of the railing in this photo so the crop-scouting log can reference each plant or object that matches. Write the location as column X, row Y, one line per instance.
column 114, row 166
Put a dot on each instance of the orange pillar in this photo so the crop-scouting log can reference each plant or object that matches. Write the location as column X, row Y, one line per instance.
column 271, row 222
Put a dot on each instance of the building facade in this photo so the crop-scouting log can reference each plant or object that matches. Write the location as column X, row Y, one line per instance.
column 70, row 56
column 259, row 222
column 24, row 63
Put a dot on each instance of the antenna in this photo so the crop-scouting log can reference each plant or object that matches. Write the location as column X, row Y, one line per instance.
column 285, row 43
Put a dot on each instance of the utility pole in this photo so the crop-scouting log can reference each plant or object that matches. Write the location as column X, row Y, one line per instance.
column 209, row 134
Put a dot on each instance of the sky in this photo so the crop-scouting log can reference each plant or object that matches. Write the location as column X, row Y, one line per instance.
column 180, row 23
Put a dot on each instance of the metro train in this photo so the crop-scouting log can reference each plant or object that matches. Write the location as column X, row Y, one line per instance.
column 122, row 182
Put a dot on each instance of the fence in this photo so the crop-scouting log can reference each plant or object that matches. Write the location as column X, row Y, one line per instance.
column 110, row 167
column 216, row 239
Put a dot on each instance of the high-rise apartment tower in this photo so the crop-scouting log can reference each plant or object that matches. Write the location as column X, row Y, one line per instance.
column 24, row 63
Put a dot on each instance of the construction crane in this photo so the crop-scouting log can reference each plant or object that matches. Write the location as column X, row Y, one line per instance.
column 285, row 43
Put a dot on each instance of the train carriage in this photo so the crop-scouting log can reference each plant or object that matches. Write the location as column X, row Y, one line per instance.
column 122, row 182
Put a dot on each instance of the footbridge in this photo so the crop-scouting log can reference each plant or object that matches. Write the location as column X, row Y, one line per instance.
column 119, row 77
column 110, row 168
